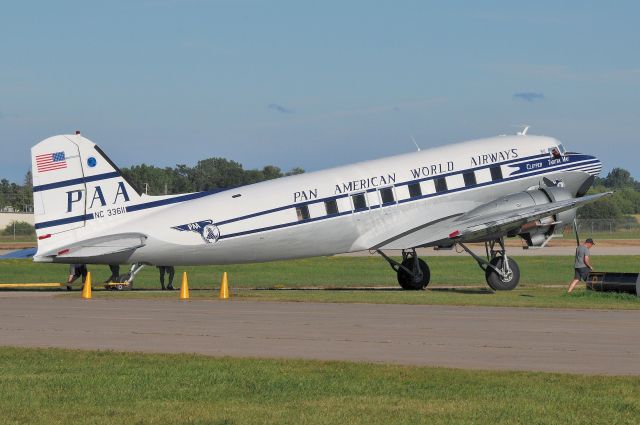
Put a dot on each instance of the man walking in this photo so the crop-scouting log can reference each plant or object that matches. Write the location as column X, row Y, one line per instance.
column 75, row 271
column 582, row 263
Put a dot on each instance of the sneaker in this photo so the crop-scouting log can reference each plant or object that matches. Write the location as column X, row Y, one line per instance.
column 170, row 288
column 69, row 288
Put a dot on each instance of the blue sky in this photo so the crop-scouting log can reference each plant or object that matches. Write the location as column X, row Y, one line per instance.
column 316, row 84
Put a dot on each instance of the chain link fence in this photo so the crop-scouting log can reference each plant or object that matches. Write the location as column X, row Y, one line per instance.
column 17, row 230
column 626, row 228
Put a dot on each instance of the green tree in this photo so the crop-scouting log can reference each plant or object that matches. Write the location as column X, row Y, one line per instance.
column 619, row 178
column 154, row 180
column 271, row 172
column 216, row 173
column 294, row 171
column 21, row 228
column 182, row 179
column 606, row 208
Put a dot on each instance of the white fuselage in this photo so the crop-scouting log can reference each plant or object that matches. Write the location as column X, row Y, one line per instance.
column 389, row 203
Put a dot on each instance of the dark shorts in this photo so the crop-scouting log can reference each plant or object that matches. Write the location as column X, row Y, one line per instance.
column 78, row 271
column 581, row 273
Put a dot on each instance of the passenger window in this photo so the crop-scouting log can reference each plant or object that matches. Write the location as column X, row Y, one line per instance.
column 331, row 207
column 414, row 190
column 496, row 173
column 469, row 178
column 441, row 184
column 359, row 201
column 386, row 194
column 302, row 212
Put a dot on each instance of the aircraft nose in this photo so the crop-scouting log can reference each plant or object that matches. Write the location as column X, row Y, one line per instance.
column 589, row 164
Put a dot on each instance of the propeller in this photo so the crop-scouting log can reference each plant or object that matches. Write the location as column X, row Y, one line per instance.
column 548, row 182
column 586, row 185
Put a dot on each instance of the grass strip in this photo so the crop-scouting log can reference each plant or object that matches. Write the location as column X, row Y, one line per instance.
column 53, row 386
column 334, row 271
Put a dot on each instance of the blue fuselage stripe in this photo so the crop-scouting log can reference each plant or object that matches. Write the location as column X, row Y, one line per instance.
column 72, row 182
column 62, row 221
column 587, row 162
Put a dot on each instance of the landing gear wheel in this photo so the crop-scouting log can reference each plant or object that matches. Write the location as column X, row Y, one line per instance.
column 499, row 283
column 126, row 283
column 409, row 282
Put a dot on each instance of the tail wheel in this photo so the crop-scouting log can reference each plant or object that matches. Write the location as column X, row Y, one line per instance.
column 408, row 281
column 503, row 283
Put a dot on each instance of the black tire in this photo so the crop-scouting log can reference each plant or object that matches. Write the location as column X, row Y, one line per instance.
column 408, row 282
column 496, row 282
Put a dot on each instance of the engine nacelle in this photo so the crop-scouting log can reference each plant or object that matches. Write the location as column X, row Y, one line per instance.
column 536, row 232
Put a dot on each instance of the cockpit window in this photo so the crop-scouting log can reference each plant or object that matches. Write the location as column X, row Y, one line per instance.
column 562, row 149
column 555, row 152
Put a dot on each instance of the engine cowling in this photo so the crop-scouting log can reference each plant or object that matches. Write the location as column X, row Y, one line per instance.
column 536, row 232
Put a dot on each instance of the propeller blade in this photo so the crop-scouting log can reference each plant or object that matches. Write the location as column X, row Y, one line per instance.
column 548, row 182
column 586, row 185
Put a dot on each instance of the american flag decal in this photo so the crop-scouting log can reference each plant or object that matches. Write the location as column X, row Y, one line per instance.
column 51, row 161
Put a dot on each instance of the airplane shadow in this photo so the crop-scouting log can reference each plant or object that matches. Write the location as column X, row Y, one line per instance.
column 470, row 291
column 333, row 288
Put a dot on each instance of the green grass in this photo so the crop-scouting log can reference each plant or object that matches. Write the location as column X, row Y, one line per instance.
column 52, row 386
column 18, row 238
column 347, row 272
column 524, row 297
column 532, row 297
column 327, row 271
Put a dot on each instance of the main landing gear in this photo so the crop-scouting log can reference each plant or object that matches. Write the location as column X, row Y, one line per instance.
column 501, row 272
column 413, row 273
column 125, row 281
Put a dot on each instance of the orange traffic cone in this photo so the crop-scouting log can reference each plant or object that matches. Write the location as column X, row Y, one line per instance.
column 184, row 288
column 86, row 289
column 224, row 287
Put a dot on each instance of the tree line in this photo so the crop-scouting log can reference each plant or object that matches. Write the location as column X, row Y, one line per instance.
column 624, row 202
column 16, row 197
column 219, row 173
column 207, row 174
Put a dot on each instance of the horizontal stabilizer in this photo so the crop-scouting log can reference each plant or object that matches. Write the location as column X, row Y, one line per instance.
column 102, row 246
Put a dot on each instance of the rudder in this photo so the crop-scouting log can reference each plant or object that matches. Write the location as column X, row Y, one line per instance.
column 74, row 182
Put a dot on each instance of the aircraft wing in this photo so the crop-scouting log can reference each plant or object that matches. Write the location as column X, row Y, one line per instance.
column 480, row 227
column 98, row 247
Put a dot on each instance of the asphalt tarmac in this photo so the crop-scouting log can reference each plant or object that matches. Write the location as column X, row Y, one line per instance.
column 576, row 341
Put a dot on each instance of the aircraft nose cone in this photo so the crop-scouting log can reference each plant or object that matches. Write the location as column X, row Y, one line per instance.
column 589, row 164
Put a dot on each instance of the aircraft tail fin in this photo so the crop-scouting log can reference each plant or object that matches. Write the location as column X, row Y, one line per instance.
column 74, row 182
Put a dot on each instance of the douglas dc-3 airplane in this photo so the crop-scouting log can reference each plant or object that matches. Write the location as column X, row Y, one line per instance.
column 479, row 191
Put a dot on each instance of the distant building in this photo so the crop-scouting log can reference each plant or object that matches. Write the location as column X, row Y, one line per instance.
column 8, row 217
